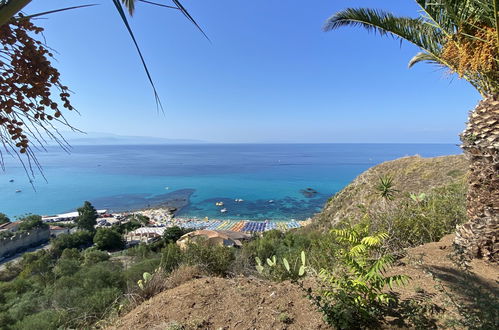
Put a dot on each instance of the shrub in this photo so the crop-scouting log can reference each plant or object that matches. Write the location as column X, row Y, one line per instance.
column 92, row 257
column 422, row 218
column 31, row 222
column 172, row 234
column 135, row 272
column 78, row 240
column 108, row 239
column 212, row 259
column 3, row 218
column 352, row 294
column 171, row 257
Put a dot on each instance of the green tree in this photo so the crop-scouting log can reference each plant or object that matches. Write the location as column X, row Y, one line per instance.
column 87, row 217
column 78, row 240
column 462, row 36
column 3, row 219
column 31, row 222
column 172, row 234
column 108, row 239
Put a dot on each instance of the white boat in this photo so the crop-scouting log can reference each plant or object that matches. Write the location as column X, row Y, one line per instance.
column 223, row 210
column 18, row 191
column 238, row 200
column 271, row 201
column 219, row 203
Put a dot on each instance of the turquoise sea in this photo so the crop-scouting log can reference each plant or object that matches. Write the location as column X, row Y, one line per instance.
column 131, row 177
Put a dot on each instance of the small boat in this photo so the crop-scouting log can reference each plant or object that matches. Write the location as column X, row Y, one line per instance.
column 219, row 203
column 271, row 201
column 223, row 210
column 18, row 191
column 167, row 188
column 11, row 180
column 238, row 200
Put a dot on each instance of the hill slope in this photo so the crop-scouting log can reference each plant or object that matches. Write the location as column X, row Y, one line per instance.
column 412, row 174
column 226, row 303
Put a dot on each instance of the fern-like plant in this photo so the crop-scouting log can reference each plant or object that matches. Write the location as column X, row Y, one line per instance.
column 354, row 295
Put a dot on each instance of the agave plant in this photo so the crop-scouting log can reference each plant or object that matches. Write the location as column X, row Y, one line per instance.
column 385, row 188
column 462, row 36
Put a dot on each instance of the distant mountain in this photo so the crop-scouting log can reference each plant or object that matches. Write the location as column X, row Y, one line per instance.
column 95, row 138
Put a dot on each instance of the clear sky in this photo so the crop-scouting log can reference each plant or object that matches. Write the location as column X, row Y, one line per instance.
column 269, row 75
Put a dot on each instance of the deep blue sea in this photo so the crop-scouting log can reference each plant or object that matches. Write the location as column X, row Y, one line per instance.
column 132, row 177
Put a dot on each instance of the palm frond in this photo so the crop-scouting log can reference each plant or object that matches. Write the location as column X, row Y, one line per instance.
column 129, row 29
column 55, row 11
column 129, row 5
column 158, row 4
column 413, row 30
column 424, row 57
column 189, row 17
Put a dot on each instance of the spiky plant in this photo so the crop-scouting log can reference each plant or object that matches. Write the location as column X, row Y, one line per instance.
column 462, row 36
column 385, row 188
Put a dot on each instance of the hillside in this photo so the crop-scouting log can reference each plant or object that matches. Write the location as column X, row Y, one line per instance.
column 226, row 303
column 412, row 174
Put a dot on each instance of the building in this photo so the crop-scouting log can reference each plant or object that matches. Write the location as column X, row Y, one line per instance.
column 71, row 216
column 213, row 237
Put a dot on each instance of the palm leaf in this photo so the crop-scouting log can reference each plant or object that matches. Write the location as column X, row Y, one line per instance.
column 129, row 29
column 54, row 11
column 158, row 4
column 189, row 17
column 130, row 5
column 424, row 57
column 413, row 30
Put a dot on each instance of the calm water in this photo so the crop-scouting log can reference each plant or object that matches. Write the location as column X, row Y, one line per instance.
column 131, row 177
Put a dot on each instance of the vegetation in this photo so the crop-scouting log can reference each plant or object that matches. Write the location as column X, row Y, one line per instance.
column 79, row 240
column 385, row 188
column 172, row 234
column 3, row 219
column 31, row 222
column 419, row 219
column 108, row 239
column 459, row 35
column 87, row 217
column 352, row 294
column 462, row 36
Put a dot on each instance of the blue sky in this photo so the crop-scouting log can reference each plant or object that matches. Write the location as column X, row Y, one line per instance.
column 269, row 75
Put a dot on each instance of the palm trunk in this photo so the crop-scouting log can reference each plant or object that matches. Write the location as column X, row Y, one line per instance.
column 479, row 237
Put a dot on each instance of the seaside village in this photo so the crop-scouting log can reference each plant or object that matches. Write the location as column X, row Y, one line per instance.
column 154, row 222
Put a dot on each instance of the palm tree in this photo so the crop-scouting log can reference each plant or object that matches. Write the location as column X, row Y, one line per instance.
column 462, row 36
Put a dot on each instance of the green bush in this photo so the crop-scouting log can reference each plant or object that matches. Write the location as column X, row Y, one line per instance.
column 92, row 257
column 211, row 259
column 172, row 234
column 422, row 218
column 108, row 239
column 135, row 272
column 78, row 240
column 171, row 257
column 352, row 295
column 31, row 222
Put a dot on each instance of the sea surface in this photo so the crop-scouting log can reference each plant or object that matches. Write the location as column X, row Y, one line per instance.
column 270, row 178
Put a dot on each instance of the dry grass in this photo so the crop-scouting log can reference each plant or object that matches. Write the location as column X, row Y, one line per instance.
column 410, row 175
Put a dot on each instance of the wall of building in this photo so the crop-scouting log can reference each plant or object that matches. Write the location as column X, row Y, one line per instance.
column 23, row 240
